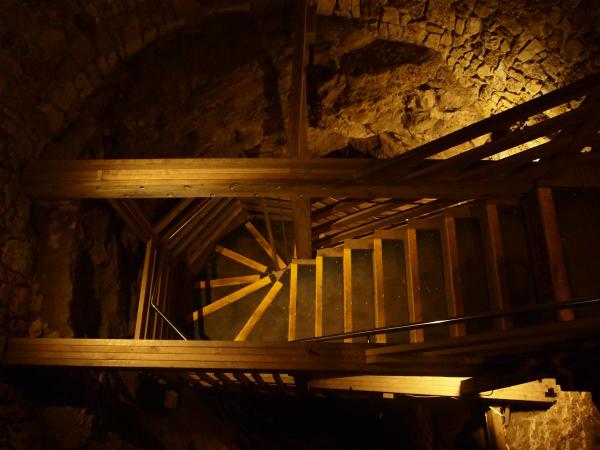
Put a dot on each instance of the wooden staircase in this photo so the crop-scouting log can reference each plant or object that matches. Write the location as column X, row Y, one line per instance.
column 471, row 258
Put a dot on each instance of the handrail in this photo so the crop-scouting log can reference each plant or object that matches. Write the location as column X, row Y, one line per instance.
column 581, row 302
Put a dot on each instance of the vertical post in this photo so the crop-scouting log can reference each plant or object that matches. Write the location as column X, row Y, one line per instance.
column 319, row 296
column 415, row 310
column 378, row 292
column 496, row 270
column 293, row 298
column 145, row 290
column 347, row 269
column 301, row 211
column 454, row 296
column 555, row 252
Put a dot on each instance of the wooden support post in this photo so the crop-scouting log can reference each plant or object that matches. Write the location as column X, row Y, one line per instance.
column 145, row 289
column 415, row 313
column 454, row 296
column 259, row 312
column 555, row 252
column 496, row 269
column 319, row 296
column 298, row 122
column 378, row 292
column 293, row 300
column 302, row 227
column 347, row 269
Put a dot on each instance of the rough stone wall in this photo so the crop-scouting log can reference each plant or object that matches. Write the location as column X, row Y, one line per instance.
column 573, row 422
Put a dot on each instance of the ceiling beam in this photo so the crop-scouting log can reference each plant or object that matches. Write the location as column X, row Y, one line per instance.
column 243, row 177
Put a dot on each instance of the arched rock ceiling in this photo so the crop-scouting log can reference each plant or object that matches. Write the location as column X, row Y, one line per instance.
column 184, row 77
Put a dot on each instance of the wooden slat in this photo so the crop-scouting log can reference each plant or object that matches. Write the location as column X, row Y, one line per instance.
column 319, row 296
column 230, row 281
column 264, row 244
column 292, row 316
column 233, row 297
column 144, row 291
column 454, row 297
column 415, row 312
column 378, row 290
column 347, row 270
column 555, row 252
column 241, row 259
column 259, row 312
column 497, row 270
column 335, row 208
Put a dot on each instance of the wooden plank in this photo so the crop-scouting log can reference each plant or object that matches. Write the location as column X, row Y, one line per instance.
column 235, row 256
column 259, row 312
column 347, row 268
column 264, row 244
column 293, row 302
column 335, row 208
column 145, row 287
column 415, row 312
column 230, row 281
column 555, row 252
column 233, row 297
column 301, row 215
column 270, row 235
column 534, row 391
column 454, row 296
column 497, row 271
column 319, row 296
column 378, row 291
column 240, row 177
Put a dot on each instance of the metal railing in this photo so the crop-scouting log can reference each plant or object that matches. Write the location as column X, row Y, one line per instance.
column 578, row 303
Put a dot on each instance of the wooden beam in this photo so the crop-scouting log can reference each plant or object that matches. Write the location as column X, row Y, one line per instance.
column 378, row 291
column 231, row 281
column 499, row 122
column 293, row 302
column 555, row 252
column 319, row 296
column 264, row 244
column 298, row 115
column 497, row 271
column 347, row 271
column 145, row 286
column 454, row 298
column 302, row 227
column 233, row 297
column 241, row 177
column 415, row 309
column 259, row 312
column 244, row 260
